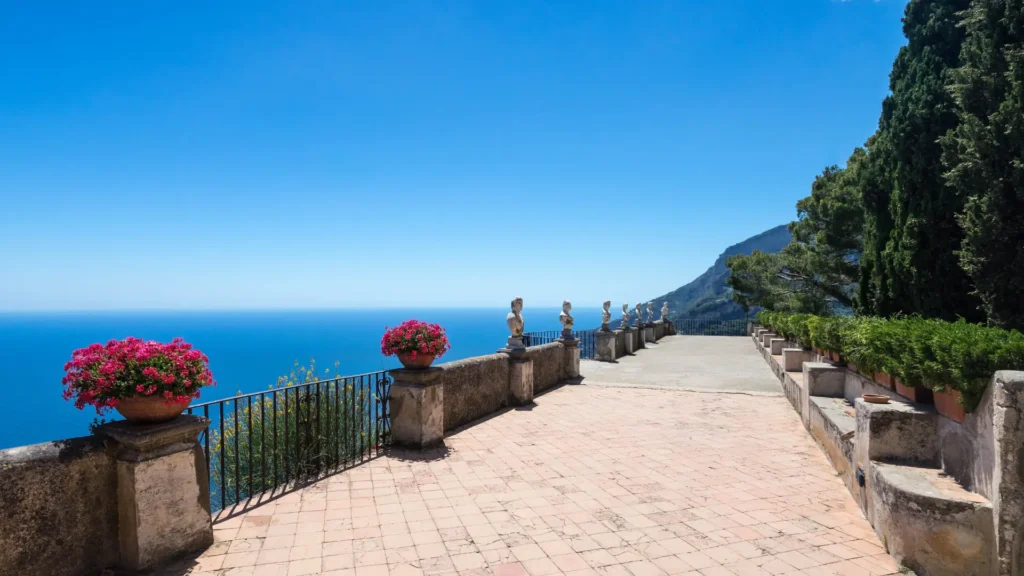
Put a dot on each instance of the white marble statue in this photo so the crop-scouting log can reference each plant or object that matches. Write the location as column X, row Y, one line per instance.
column 650, row 312
column 606, row 315
column 625, row 315
column 565, row 317
column 516, row 324
column 639, row 316
column 664, row 311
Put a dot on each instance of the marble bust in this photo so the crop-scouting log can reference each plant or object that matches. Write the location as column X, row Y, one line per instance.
column 639, row 316
column 606, row 315
column 625, row 315
column 515, row 324
column 565, row 317
column 650, row 312
column 664, row 311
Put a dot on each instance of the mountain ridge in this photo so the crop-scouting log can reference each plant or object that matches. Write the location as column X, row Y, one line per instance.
column 708, row 296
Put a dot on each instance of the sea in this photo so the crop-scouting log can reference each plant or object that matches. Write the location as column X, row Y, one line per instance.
column 248, row 350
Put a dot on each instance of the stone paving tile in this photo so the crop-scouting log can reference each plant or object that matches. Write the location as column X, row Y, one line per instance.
column 590, row 481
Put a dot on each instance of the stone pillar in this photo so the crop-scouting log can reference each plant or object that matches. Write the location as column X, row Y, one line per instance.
column 520, row 381
column 606, row 346
column 820, row 379
column 649, row 333
column 638, row 335
column 163, row 490
column 775, row 346
column 417, row 407
column 793, row 359
column 630, row 341
column 571, row 356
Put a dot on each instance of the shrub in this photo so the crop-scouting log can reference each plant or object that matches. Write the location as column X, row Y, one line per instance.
column 920, row 352
column 102, row 375
column 304, row 426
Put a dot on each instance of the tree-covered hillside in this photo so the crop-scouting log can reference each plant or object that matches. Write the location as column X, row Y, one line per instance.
column 708, row 296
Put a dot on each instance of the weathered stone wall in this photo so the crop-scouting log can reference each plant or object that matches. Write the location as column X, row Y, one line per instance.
column 474, row 388
column 58, row 508
column 548, row 366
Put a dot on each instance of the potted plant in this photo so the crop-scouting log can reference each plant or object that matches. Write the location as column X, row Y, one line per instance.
column 949, row 403
column 417, row 344
column 146, row 382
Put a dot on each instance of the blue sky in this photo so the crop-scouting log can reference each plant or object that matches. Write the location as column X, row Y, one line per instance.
column 307, row 154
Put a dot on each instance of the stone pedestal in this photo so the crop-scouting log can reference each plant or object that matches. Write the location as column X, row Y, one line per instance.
column 649, row 333
column 417, row 407
column 163, row 490
column 571, row 366
column 605, row 346
column 630, row 340
column 520, row 381
column 638, row 336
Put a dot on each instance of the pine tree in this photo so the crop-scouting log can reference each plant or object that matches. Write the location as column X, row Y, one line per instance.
column 985, row 155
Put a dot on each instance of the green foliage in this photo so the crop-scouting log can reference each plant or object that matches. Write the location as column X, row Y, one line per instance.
column 919, row 351
column 984, row 155
column 305, row 425
column 911, row 229
column 818, row 269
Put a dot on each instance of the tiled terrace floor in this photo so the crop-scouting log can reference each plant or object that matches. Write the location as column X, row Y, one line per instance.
column 591, row 480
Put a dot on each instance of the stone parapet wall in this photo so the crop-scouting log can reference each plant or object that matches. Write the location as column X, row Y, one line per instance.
column 474, row 388
column 58, row 508
column 547, row 365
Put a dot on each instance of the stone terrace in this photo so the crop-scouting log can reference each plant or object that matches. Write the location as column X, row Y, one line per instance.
column 589, row 480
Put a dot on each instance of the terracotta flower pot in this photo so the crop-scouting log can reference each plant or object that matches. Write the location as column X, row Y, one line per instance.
column 418, row 362
column 946, row 402
column 150, row 409
column 883, row 379
column 913, row 393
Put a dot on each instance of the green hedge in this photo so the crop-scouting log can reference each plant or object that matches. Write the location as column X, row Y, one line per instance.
column 918, row 351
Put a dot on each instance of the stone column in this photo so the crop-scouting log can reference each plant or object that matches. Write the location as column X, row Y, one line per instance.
column 606, row 346
column 649, row 333
column 417, row 407
column 571, row 356
column 520, row 380
column 630, row 340
column 163, row 490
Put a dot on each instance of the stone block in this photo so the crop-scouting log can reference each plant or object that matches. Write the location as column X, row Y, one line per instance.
column 520, row 382
column 929, row 523
column 776, row 345
column 1007, row 390
column 630, row 340
column 638, row 338
column 605, row 347
column 417, row 407
column 649, row 333
column 793, row 359
column 820, row 379
column 163, row 490
column 766, row 339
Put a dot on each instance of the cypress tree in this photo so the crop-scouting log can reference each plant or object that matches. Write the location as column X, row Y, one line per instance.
column 913, row 235
column 985, row 155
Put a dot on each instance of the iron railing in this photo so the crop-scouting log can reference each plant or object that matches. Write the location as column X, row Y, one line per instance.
column 289, row 435
column 587, row 338
column 701, row 327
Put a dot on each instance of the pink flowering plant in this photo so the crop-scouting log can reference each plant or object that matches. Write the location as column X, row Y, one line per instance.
column 415, row 338
column 102, row 375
